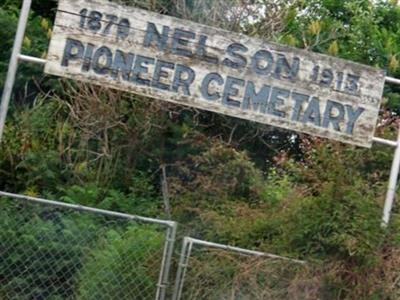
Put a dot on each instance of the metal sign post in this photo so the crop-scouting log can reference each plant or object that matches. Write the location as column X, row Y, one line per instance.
column 181, row 43
column 391, row 192
column 12, row 69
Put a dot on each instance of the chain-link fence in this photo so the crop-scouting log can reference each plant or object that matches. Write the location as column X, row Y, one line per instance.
column 218, row 272
column 52, row 250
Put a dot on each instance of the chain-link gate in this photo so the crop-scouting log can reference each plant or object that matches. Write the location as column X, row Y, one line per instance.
column 219, row 272
column 53, row 250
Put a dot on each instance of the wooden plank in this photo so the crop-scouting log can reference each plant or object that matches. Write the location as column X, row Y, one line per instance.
column 191, row 64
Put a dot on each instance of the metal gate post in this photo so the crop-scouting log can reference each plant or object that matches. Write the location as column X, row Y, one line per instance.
column 12, row 69
column 391, row 192
column 394, row 172
column 182, row 267
column 163, row 281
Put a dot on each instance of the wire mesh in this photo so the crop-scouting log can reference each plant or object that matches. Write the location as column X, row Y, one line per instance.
column 49, row 252
column 221, row 274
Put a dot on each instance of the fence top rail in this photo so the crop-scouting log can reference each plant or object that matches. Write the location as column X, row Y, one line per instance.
column 240, row 250
column 77, row 207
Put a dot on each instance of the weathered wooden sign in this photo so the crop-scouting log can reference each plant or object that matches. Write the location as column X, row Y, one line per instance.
column 212, row 69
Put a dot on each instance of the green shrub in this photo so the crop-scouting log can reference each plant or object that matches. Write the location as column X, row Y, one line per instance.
column 126, row 263
column 41, row 250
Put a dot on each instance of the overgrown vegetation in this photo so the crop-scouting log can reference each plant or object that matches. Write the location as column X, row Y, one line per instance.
column 230, row 181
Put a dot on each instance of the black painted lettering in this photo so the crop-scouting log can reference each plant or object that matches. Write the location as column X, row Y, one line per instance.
column 202, row 52
column 234, row 51
column 123, row 29
column 299, row 99
column 102, row 60
column 262, row 62
column 332, row 117
column 256, row 101
column 73, row 50
column 312, row 113
column 153, row 35
column 207, row 82
column 352, row 84
column 87, row 58
column 112, row 19
column 94, row 21
column 285, row 70
column 180, row 41
column 122, row 64
column 353, row 116
column 184, row 77
column 231, row 90
column 141, row 67
column 278, row 97
column 327, row 77
column 161, row 73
